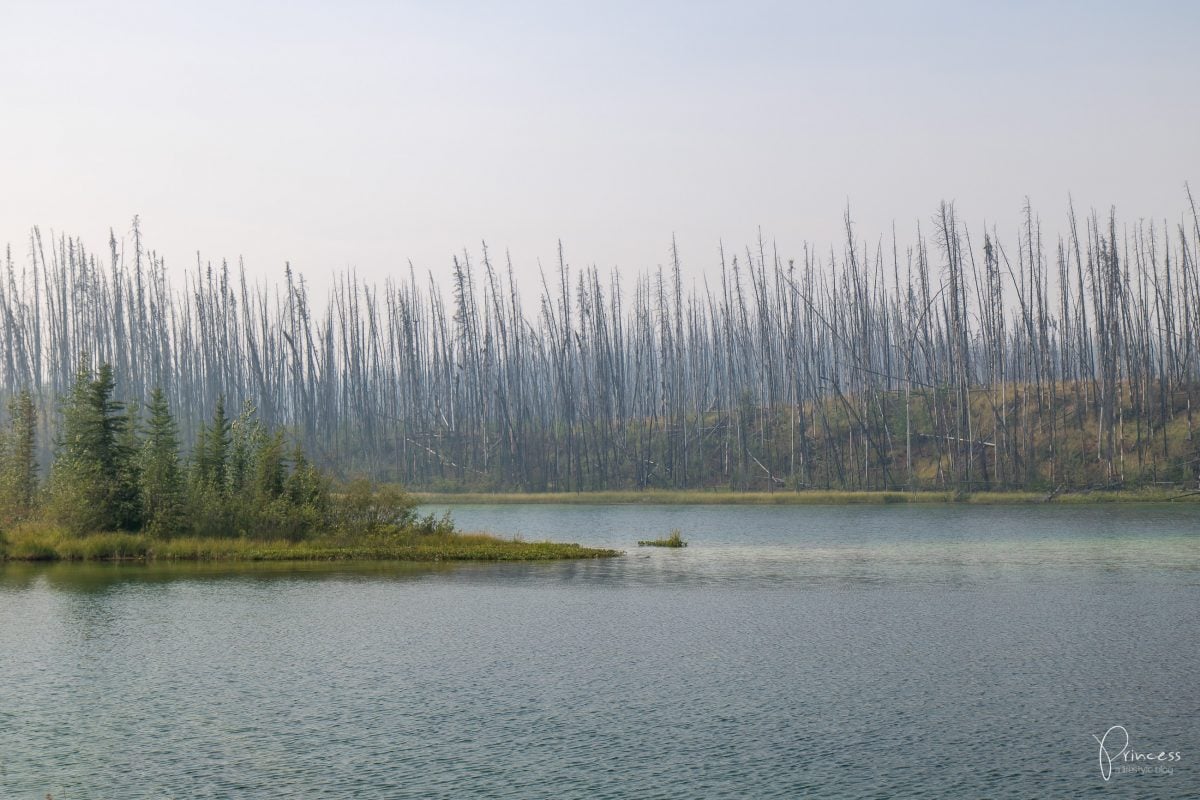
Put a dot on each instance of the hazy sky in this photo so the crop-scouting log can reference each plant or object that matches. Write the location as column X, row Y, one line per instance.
column 366, row 134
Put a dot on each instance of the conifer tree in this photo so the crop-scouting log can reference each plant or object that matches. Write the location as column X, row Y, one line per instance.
column 128, row 468
column 306, row 487
column 94, row 481
column 210, row 457
column 18, row 458
column 269, row 469
column 161, row 477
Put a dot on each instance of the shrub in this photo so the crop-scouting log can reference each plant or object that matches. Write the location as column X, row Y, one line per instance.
column 431, row 525
column 78, row 498
column 367, row 508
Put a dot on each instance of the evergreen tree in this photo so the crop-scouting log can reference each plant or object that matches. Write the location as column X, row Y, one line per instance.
column 18, row 458
column 161, row 477
column 269, row 469
column 94, row 481
column 128, row 469
column 199, row 459
column 218, row 446
column 306, row 487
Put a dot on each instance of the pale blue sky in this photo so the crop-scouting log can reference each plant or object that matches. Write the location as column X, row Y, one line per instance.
column 364, row 134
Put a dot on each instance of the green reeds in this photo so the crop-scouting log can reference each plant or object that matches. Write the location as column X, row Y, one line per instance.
column 44, row 543
column 675, row 539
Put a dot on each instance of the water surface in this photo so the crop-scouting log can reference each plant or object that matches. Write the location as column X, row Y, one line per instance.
column 897, row 651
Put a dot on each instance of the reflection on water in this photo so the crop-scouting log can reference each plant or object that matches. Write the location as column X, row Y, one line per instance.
column 834, row 652
column 103, row 577
column 781, row 544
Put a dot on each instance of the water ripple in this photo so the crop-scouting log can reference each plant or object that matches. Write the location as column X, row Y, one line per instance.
column 957, row 659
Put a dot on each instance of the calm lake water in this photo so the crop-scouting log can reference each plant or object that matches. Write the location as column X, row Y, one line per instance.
column 858, row 652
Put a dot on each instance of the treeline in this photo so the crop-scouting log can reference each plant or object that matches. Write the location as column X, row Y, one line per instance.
column 115, row 469
column 959, row 361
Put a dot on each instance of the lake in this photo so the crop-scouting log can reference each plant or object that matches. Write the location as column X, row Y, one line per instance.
column 845, row 652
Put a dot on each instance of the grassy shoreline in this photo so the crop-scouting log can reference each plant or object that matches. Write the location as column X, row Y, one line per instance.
column 44, row 543
column 806, row 497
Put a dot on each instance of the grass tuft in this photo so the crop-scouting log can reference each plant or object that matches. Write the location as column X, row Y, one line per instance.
column 674, row 540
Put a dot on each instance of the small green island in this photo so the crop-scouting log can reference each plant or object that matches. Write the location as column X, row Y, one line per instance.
column 119, row 489
column 675, row 539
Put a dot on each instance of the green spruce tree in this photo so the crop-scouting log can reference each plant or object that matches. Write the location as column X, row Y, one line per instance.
column 161, row 476
column 94, row 481
column 212, row 509
column 218, row 447
column 270, row 471
column 306, row 487
column 18, row 459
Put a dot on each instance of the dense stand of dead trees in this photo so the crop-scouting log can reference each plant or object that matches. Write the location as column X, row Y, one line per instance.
column 958, row 362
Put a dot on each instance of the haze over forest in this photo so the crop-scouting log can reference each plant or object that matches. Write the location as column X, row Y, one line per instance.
column 762, row 246
column 879, row 368
column 370, row 134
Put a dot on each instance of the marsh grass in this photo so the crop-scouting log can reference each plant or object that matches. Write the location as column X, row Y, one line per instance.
column 45, row 543
column 684, row 497
column 674, row 540
column 804, row 497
